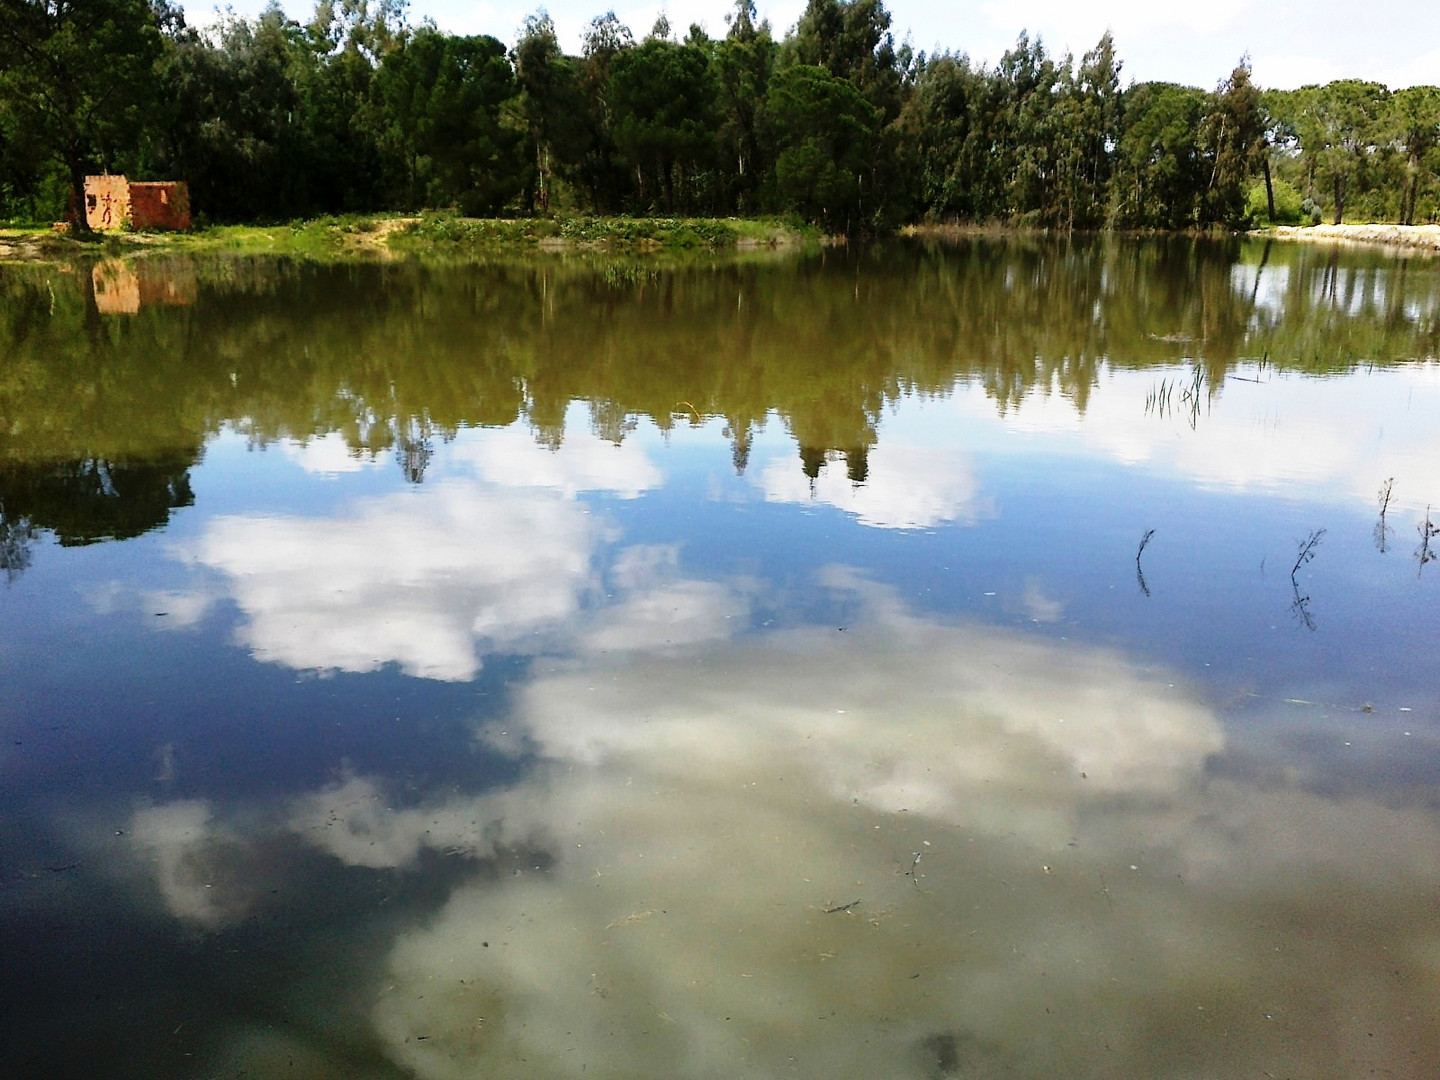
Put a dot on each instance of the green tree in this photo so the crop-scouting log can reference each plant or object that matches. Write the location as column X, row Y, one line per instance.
column 343, row 164
column 664, row 101
column 1160, row 170
column 825, row 131
column 1233, row 137
column 603, row 169
column 549, row 102
column 228, row 117
column 744, row 62
column 1339, row 126
column 1087, row 130
column 851, row 39
column 1414, row 118
column 1027, row 85
column 940, row 116
column 445, row 99
column 76, row 76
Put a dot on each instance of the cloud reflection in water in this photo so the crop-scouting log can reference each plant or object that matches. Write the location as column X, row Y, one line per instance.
column 1086, row 902
column 725, row 879
column 428, row 578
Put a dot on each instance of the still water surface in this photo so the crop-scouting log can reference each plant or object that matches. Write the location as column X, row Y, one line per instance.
column 1008, row 659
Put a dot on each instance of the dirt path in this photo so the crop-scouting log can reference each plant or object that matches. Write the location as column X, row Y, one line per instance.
column 377, row 238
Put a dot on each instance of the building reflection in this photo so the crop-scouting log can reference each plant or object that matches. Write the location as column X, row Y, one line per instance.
column 123, row 288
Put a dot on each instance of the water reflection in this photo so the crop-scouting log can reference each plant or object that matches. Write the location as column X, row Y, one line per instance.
column 395, row 357
column 902, row 487
column 832, row 668
column 914, row 848
column 1262, row 431
column 427, row 579
column 86, row 501
column 121, row 288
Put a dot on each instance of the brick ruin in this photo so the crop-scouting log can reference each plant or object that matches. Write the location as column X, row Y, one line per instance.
column 112, row 202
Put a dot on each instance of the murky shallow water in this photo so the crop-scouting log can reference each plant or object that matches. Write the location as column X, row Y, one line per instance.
column 757, row 669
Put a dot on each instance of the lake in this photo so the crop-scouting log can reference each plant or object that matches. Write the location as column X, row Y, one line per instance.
column 1004, row 658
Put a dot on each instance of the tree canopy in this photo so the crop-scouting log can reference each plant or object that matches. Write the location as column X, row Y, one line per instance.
column 357, row 110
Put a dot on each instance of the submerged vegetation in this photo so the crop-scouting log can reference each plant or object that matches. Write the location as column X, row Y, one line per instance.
column 357, row 111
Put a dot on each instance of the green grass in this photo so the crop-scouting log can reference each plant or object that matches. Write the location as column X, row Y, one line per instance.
column 349, row 236
column 609, row 233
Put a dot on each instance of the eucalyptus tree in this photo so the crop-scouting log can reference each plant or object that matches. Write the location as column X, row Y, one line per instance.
column 1086, row 132
column 1233, row 137
column 1026, row 85
column 944, row 117
column 348, row 42
column 1160, row 173
column 606, row 174
column 550, row 103
column 228, row 118
column 744, row 62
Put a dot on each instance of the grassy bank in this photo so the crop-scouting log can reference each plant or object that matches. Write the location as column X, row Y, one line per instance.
column 380, row 235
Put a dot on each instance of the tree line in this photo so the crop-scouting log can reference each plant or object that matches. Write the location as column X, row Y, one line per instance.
column 356, row 110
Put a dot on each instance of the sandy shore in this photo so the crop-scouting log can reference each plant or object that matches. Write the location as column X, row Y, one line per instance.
column 1423, row 237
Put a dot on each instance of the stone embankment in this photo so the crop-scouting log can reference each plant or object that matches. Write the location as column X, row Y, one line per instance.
column 1423, row 237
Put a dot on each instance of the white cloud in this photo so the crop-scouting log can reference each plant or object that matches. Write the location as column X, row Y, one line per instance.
column 734, row 881
column 512, row 457
column 714, row 865
column 178, row 609
column 199, row 868
column 657, row 610
column 1039, row 606
column 1285, row 433
column 329, row 455
column 668, row 616
column 425, row 578
column 906, row 487
column 352, row 820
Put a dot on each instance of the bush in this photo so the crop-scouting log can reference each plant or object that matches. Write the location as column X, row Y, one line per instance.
column 1289, row 207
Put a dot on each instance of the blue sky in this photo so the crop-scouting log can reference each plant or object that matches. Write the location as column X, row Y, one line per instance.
column 1290, row 43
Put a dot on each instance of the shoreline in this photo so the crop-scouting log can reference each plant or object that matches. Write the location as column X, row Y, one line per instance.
column 1417, row 238
column 387, row 236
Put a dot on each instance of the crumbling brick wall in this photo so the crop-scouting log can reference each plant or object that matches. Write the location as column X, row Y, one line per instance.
column 112, row 201
column 107, row 202
column 161, row 204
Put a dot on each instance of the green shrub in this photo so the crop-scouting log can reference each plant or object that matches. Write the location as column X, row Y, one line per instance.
column 1289, row 208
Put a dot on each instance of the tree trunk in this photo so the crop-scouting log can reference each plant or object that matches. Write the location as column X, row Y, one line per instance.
column 1339, row 198
column 542, row 171
column 1269, row 188
column 81, row 223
